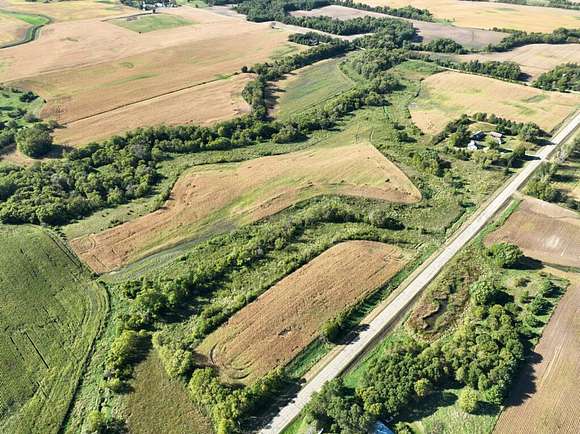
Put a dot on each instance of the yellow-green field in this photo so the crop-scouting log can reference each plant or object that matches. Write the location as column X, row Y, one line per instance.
column 152, row 22
column 50, row 313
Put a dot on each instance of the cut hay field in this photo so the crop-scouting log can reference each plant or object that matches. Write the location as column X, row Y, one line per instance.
column 12, row 29
column 447, row 95
column 534, row 59
column 543, row 231
column 211, row 197
column 542, row 399
column 147, row 409
column 272, row 330
column 151, row 22
column 487, row 15
column 309, row 87
column 50, row 313
column 472, row 38
column 129, row 75
column 203, row 104
column 69, row 10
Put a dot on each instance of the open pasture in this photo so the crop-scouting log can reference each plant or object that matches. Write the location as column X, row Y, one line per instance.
column 272, row 330
column 534, row 59
column 473, row 38
column 447, row 95
column 543, row 231
column 50, row 313
column 208, row 198
column 69, row 10
column 203, row 104
column 541, row 400
column 309, row 87
column 487, row 15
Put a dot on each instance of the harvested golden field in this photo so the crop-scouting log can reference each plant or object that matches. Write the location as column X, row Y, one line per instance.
column 447, row 95
column 487, row 15
column 215, row 196
column 472, row 38
column 129, row 75
column 543, row 231
column 11, row 29
column 202, row 104
column 69, row 10
column 544, row 400
column 534, row 59
column 272, row 330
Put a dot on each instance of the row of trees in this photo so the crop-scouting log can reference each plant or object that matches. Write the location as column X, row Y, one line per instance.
column 562, row 4
column 563, row 78
column 442, row 45
column 354, row 26
column 518, row 38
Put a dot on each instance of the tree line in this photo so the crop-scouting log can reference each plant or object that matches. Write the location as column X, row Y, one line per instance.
column 563, row 78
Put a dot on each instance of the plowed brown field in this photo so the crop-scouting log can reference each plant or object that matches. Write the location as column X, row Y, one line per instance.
column 545, row 399
column 543, row 231
column 272, row 330
column 209, row 197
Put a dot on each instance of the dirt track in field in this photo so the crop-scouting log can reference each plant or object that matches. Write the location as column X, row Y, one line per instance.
column 543, row 231
column 447, row 95
column 209, row 197
column 473, row 38
column 272, row 330
column 545, row 398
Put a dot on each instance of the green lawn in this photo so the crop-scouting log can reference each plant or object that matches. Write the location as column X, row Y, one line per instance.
column 152, row 22
column 309, row 87
column 50, row 314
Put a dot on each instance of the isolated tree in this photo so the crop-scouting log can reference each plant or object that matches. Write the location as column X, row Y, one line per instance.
column 506, row 255
column 468, row 400
column 34, row 141
column 529, row 132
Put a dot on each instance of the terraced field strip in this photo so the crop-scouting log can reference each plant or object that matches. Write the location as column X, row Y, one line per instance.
column 50, row 313
column 486, row 15
column 447, row 95
column 544, row 231
column 211, row 197
column 272, row 330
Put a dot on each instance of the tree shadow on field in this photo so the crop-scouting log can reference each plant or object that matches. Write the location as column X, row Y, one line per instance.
column 527, row 263
column 525, row 385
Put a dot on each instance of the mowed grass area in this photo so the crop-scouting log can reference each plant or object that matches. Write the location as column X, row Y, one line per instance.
column 486, row 15
column 150, row 23
column 308, row 87
column 208, row 198
column 50, row 314
column 158, row 404
column 271, row 331
column 447, row 95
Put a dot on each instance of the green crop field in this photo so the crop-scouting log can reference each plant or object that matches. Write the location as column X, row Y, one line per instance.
column 309, row 87
column 50, row 314
column 150, row 23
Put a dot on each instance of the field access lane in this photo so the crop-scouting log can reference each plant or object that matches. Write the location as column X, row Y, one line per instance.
column 351, row 351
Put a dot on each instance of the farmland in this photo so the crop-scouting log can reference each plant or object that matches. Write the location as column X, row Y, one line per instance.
column 210, row 197
column 533, row 59
column 151, row 23
column 47, row 304
column 544, row 231
column 309, row 87
column 75, row 10
column 275, row 328
column 486, row 15
column 447, row 95
column 472, row 38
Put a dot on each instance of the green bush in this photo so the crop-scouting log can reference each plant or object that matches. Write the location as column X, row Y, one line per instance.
column 34, row 141
column 468, row 401
column 506, row 255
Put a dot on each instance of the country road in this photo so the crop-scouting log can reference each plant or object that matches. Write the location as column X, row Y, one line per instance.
column 351, row 351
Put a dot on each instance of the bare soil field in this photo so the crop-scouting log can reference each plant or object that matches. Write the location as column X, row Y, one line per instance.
column 473, row 38
column 69, row 10
column 11, row 29
column 486, row 15
column 127, row 72
column 533, row 59
column 447, row 95
column 209, row 197
column 272, row 330
column 203, row 104
column 544, row 400
column 543, row 231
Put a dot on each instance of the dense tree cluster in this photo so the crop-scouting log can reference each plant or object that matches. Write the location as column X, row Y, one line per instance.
column 34, row 141
column 563, row 78
column 442, row 45
column 354, row 26
column 310, row 38
column 403, row 12
column 518, row 38
column 505, row 255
